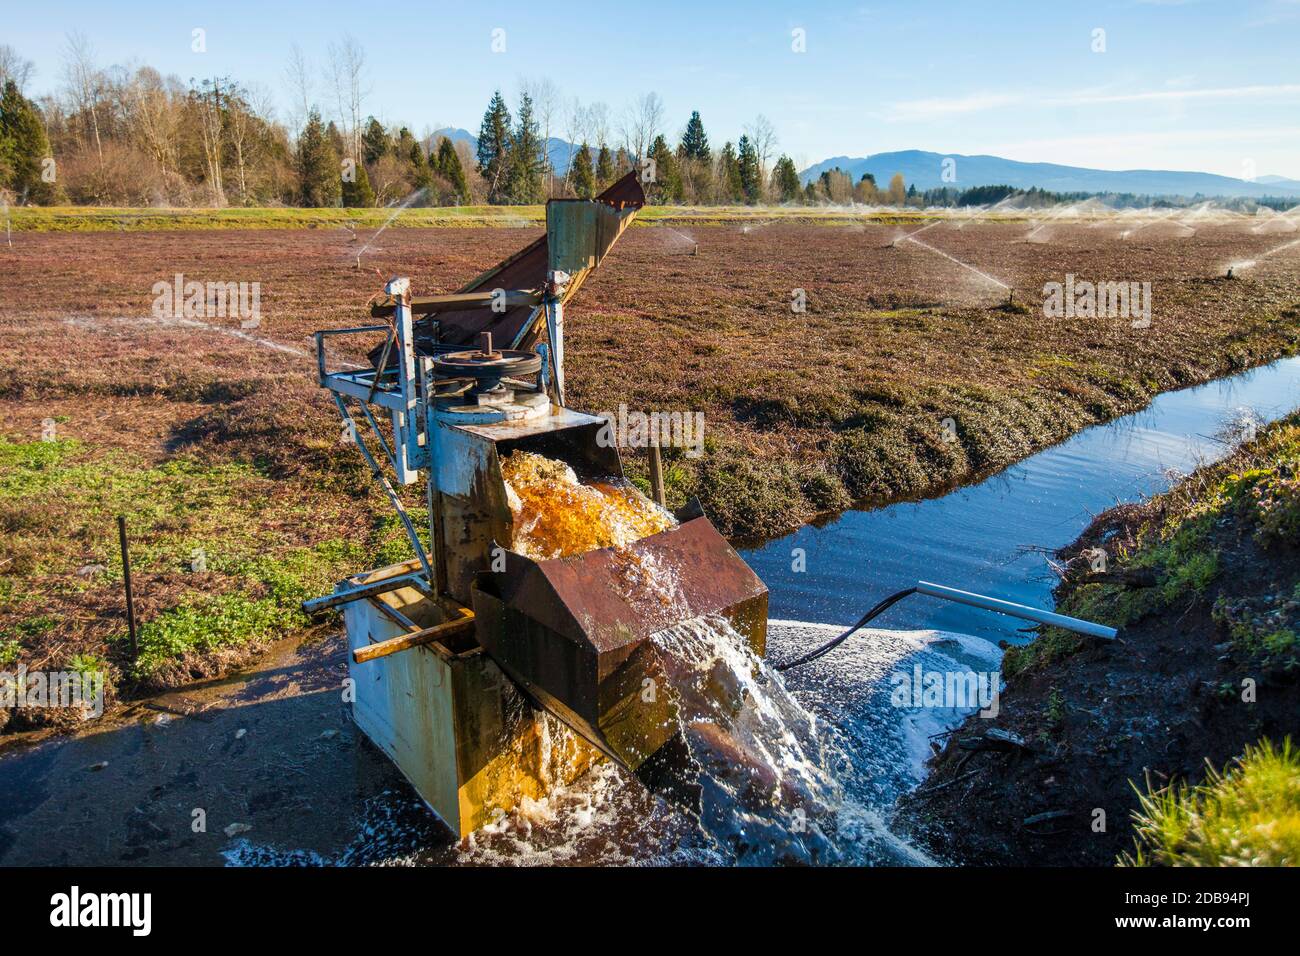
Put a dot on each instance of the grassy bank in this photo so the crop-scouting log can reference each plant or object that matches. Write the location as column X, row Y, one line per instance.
column 1204, row 584
column 222, row 556
column 1247, row 815
column 139, row 219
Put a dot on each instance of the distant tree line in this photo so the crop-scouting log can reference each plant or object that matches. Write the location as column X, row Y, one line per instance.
column 130, row 136
column 837, row 186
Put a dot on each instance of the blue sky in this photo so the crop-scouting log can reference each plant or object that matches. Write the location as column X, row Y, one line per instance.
column 1211, row 85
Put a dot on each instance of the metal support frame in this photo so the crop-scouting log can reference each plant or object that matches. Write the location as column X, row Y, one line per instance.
column 555, row 335
column 407, row 438
column 402, row 393
column 437, row 544
column 389, row 490
column 360, row 591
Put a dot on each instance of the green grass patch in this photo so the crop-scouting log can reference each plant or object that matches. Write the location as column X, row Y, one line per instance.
column 238, row 620
column 215, row 537
column 225, row 621
column 59, row 502
column 93, row 671
column 131, row 219
column 1248, row 815
column 29, row 468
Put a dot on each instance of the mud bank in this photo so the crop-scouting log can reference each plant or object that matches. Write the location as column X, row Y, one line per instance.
column 1204, row 584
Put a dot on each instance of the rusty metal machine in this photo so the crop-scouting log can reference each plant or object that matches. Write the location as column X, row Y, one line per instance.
column 455, row 651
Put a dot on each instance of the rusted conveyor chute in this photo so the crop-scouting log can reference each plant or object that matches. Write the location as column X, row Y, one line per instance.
column 510, row 300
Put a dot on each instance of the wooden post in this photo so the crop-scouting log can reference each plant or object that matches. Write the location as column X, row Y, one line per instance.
column 126, row 577
column 657, row 476
column 459, row 625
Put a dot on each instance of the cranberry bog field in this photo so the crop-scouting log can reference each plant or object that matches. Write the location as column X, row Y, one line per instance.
column 838, row 363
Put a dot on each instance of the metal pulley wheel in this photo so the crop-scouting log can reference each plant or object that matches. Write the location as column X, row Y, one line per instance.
column 484, row 370
column 486, row 364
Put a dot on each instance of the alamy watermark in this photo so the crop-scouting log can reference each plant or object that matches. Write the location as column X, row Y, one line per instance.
column 74, row 908
column 637, row 429
column 181, row 299
column 53, row 690
column 1082, row 299
column 963, row 690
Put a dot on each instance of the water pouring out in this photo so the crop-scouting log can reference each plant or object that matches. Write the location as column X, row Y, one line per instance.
column 555, row 515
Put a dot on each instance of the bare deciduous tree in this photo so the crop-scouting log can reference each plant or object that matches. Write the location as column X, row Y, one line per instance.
column 14, row 67
column 577, row 129
column 641, row 124
column 85, row 84
column 347, row 62
column 208, row 99
column 242, row 114
column 762, row 134
column 153, row 110
column 598, row 123
column 298, row 77
column 546, row 106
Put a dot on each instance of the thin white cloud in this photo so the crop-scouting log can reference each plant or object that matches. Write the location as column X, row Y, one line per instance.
column 1275, row 91
column 937, row 107
column 1173, row 137
column 1237, row 153
column 948, row 106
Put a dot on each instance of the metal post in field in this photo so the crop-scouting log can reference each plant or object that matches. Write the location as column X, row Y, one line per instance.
column 126, row 577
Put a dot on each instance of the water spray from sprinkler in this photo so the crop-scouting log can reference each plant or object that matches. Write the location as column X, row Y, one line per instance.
column 1251, row 263
column 401, row 207
column 965, row 265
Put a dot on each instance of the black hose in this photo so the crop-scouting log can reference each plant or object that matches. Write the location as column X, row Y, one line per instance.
column 829, row 646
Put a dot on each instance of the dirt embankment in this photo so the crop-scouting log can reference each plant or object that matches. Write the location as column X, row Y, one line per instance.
column 1204, row 583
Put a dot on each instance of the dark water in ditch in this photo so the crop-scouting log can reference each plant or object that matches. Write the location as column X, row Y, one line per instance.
column 284, row 777
column 976, row 538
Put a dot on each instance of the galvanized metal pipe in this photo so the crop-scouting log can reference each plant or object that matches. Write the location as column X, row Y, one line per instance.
column 1017, row 610
column 361, row 591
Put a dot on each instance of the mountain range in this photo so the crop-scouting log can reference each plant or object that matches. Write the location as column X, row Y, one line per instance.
column 559, row 150
column 925, row 170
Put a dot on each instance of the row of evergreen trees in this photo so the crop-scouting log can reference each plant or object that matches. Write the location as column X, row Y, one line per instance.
column 514, row 162
column 26, row 169
column 327, row 177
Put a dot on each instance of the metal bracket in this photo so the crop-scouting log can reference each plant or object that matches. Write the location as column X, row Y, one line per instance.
column 380, row 477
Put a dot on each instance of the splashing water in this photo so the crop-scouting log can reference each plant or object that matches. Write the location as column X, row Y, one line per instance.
column 762, row 764
column 675, row 238
column 556, row 516
column 965, row 265
column 401, row 207
column 757, row 772
column 1241, row 264
column 756, row 777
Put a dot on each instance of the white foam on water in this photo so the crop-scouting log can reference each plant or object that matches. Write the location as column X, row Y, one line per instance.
column 798, row 768
column 802, row 767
